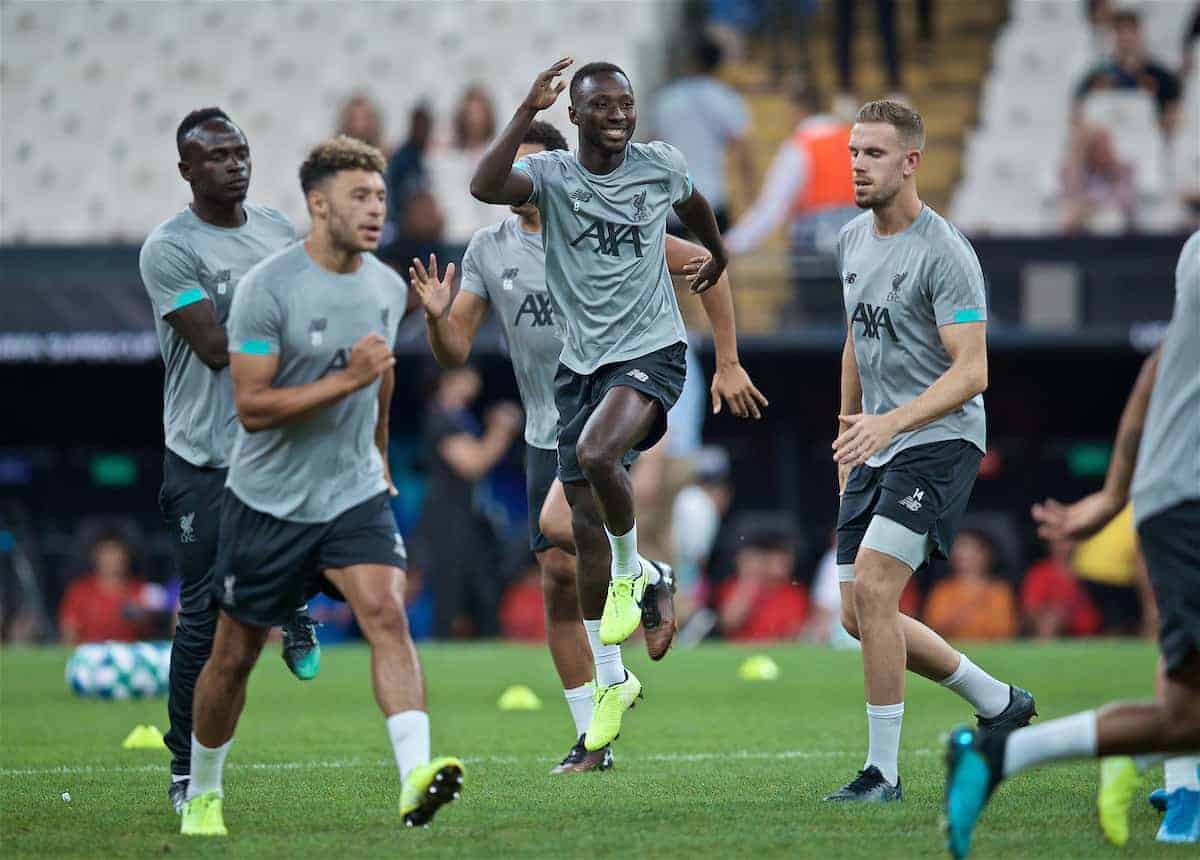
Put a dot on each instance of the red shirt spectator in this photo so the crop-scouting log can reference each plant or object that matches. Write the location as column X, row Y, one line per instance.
column 107, row 603
column 761, row 601
column 522, row 612
column 1053, row 600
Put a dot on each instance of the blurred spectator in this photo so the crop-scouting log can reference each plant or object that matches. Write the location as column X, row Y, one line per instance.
column 1129, row 68
column 418, row 604
column 406, row 173
column 762, row 601
column 335, row 618
column 1053, row 601
column 809, row 181
column 825, row 618
column 108, row 602
column 971, row 603
column 696, row 517
column 451, row 167
column 1097, row 186
column 522, row 612
column 452, row 539
column 419, row 232
column 1107, row 564
column 1188, row 64
column 707, row 120
column 360, row 118
column 885, row 19
column 1100, row 32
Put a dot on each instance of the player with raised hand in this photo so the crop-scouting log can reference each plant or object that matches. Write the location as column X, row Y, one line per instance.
column 603, row 212
column 191, row 266
column 307, row 501
column 1155, row 463
column 504, row 269
column 911, row 433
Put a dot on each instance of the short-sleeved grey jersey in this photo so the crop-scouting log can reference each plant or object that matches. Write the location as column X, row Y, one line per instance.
column 314, row 468
column 506, row 266
column 899, row 290
column 1168, row 463
column 183, row 261
column 606, row 262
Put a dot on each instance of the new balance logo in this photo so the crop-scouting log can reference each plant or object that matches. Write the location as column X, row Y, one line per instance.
column 610, row 237
column 894, row 295
column 851, row 277
column 398, row 548
column 229, row 583
column 508, row 277
column 187, row 533
column 913, row 502
column 872, row 319
column 639, row 375
column 538, row 306
column 316, row 331
column 580, row 197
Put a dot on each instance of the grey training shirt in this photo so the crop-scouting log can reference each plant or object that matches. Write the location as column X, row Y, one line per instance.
column 184, row 261
column 315, row 468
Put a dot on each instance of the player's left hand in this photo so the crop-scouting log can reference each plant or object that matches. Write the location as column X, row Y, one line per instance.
column 732, row 385
column 703, row 272
column 862, row 436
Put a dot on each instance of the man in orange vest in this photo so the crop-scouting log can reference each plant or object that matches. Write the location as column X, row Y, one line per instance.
column 809, row 180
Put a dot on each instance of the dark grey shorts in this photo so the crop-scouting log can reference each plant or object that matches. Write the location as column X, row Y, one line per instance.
column 266, row 567
column 1171, row 543
column 190, row 501
column 923, row 489
column 541, row 468
column 659, row 375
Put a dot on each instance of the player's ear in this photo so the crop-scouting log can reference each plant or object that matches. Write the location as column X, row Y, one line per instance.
column 911, row 162
column 318, row 204
column 185, row 170
column 571, row 114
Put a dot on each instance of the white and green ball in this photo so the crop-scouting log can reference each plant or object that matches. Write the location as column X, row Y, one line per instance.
column 119, row 670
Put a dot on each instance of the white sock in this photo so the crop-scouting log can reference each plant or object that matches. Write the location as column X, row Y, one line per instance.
column 883, row 726
column 1182, row 772
column 1066, row 737
column 625, row 559
column 653, row 577
column 207, row 764
column 579, row 700
column 409, row 731
column 609, row 668
column 988, row 696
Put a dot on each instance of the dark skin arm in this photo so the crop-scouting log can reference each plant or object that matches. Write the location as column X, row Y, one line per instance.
column 1091, row 513
column 197, row 325
column 697, row 216
column 495, row 181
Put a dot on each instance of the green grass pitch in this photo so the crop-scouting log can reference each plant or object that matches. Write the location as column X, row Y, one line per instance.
column 708, row 765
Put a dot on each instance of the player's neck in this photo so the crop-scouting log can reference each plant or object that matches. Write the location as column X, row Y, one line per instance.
column 600, row 161
column 530, row 223
column 899, row 214
column 330, row 256
column 219, row 214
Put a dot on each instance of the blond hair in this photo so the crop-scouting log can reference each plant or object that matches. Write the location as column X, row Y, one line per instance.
column 338, row 154
column 905, row 120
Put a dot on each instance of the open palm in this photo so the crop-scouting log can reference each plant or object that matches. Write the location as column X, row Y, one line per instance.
column 433, row 292
column 546, row 88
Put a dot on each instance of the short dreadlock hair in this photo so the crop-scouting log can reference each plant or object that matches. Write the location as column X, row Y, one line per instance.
column 544, row 134
column 590, row 69
column 335, row 155
column 197, row 118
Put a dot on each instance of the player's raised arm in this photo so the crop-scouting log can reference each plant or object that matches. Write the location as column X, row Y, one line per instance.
column 1087, row 516
column 261, row 406
column 451, row 323
column 495, row 181
column 730, row 382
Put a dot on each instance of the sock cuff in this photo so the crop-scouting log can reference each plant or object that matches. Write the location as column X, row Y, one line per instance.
column 584, row 691
column 592, row 626
column 406, row 721
column 222, row 748
column 896, row 710
column 623, row 534
column 964, row 666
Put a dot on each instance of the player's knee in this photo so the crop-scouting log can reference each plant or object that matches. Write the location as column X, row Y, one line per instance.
column 558, row 572
column 872, row 595
column 595, row 456
column 850, row 620
column 234, row 659
column 557, row 528
column 383, row 616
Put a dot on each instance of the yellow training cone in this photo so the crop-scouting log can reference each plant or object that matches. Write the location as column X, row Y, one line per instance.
column 519, row 698
column 760, row 667
column 144, row 738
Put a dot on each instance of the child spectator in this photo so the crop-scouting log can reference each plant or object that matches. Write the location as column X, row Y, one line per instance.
column 971, row 603
column 1053, row 601
column 761, row 601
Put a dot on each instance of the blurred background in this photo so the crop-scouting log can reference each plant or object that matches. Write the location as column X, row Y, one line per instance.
column 1063, row 139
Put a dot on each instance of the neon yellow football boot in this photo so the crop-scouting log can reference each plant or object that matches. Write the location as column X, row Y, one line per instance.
column 428, row 788
column 202, row 816
column 1119, row 781
column 622, row 608
column 611, row 704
